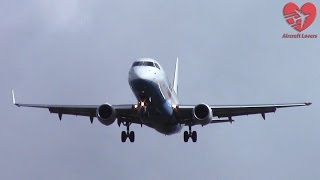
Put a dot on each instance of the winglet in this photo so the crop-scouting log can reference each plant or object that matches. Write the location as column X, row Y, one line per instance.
column 307, row 103
column 175, row 80
column 13, row 98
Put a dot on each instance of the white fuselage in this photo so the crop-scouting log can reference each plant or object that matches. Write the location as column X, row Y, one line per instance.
column 153, row 90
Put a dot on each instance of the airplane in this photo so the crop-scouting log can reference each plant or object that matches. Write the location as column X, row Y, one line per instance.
column 303, row 17
column 157, row 106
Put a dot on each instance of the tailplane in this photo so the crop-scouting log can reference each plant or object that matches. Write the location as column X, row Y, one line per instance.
column 175, row 80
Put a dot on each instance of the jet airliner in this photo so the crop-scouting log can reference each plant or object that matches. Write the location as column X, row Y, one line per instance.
column 157, row 106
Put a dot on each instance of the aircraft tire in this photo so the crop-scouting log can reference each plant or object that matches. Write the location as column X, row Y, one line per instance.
column 194, row 136
column 131, row 136
column 186, row 136
column 123, row 136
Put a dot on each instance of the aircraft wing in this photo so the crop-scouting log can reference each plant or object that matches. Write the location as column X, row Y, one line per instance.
column 184, row 112
column 123, row 112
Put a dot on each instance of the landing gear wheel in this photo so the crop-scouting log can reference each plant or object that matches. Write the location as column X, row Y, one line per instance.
column 127, row 134
column 186, row 136
column 190, row 134
column 123, row 136
column 131, row 136
column 194, row 136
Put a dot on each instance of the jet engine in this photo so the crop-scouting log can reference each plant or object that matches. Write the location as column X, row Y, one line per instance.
column 106, row 114
column 202, row 113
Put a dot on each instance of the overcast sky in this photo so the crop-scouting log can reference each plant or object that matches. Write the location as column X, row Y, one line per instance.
column 231, row 52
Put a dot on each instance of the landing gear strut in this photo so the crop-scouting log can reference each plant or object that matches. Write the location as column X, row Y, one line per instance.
column 127, row 134
column 190, row 134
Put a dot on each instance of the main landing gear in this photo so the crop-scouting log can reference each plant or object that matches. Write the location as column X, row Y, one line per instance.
column 127, row 134
column 190, row 134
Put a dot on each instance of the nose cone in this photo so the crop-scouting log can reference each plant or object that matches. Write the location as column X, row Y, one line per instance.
column 139, row 73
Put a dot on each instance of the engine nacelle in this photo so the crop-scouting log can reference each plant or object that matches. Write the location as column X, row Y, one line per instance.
column 106, row 114
column 202, row 113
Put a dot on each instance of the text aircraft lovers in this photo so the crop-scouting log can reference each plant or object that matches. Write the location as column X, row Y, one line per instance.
column 157, row 106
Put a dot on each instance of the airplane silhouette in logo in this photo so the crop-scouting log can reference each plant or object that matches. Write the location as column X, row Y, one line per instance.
column 301, row 16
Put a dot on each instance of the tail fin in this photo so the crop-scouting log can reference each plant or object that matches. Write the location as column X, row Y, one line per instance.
column 13, row 98
column 175, row 80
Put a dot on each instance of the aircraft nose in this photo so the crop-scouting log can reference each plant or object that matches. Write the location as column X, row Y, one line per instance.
column 139, row 73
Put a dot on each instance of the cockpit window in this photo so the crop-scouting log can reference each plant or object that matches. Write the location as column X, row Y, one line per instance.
column 157, row 65
column 148, row 64
column 136, row 64
column 145, row 63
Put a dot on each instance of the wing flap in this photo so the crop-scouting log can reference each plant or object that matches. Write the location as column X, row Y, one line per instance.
column 229, row 112
column 91, row 112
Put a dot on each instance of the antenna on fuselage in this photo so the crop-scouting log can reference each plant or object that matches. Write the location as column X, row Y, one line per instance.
column 175, row 80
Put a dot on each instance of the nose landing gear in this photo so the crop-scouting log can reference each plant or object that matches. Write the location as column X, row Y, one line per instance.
column 141, row 110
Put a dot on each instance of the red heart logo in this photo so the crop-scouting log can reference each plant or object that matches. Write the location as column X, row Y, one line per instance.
column 300, row 18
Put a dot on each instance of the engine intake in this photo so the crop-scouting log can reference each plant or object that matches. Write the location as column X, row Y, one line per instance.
column 202, row 113
column 106, row 114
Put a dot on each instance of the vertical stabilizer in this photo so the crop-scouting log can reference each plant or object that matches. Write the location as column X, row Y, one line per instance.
column 175, row 80
column 13, row 98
